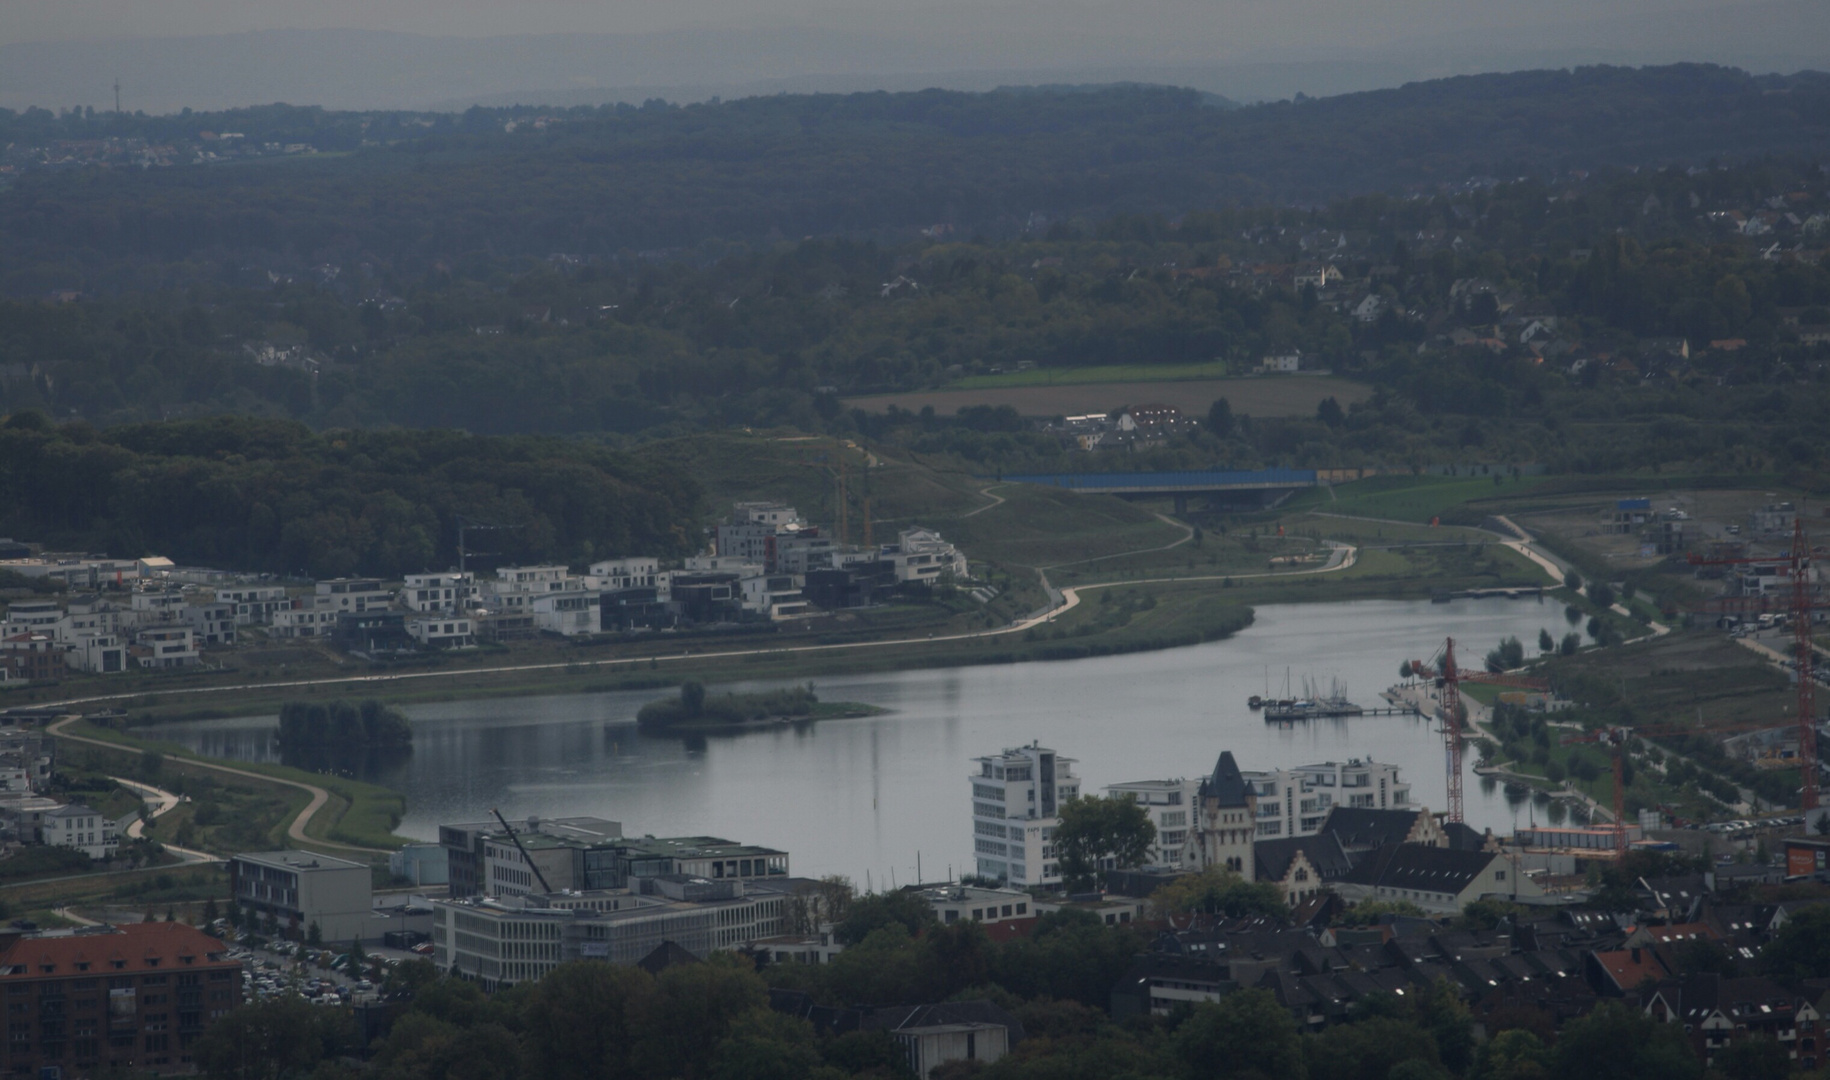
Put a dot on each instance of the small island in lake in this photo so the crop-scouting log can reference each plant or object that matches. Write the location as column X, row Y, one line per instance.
column 693, row 710
column 342, row 725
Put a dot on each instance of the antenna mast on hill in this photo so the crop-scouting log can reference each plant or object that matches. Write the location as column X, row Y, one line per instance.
column 117, row 97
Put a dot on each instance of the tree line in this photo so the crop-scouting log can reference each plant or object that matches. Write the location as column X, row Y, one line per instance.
column 274, row 495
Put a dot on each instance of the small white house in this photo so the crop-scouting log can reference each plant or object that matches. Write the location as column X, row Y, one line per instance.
column 444, row 632
column 567, row 613
column 81, row 828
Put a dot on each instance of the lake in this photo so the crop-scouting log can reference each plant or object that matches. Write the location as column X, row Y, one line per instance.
column 867, row 795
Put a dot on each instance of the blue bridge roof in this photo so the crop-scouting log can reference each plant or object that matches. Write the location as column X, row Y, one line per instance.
column 1167, row 480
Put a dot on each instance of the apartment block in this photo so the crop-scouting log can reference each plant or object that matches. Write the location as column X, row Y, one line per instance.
column 1016, row 797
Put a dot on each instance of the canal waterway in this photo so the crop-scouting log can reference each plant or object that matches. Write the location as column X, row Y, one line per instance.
column 867, row 795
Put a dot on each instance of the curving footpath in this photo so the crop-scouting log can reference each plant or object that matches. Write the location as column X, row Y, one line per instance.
column 295, row 831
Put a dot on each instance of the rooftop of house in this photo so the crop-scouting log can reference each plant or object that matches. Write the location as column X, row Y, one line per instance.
column 130, row 947
column 298, row 861
column 1421, row 868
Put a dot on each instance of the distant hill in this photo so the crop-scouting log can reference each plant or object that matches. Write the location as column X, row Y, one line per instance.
column 601, row 181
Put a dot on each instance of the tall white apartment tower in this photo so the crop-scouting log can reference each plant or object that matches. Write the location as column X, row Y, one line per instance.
column 1016, row 799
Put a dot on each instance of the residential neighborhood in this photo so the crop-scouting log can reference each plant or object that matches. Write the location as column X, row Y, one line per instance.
column 767, row 565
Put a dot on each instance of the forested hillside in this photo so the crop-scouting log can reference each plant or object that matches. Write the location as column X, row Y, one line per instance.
column 420, row 193
column 275, row 496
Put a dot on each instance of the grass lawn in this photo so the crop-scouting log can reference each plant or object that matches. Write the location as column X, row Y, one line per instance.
column 1213, row 369
column 1410, row 498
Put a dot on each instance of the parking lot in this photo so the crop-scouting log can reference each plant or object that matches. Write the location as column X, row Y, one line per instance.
column 320, row 976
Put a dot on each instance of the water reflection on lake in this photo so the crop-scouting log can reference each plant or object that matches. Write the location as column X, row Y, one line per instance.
column 844, row 796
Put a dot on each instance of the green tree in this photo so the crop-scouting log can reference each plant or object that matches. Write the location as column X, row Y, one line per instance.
column 314, row 935
column 1602, row 595
column 1220, row 418
column 1546, row 643
column 582, row 1020
column 1572, row 581
column 1095, row 830
column 692, row 697
column 868, row 913
column 1514, row 1054
column 1220, row 891
column 1369, row 1049
column 1247, row 1033
column 1755, row 1057
column 691, row 1011
column 1801, row 948
column 1618, row 1042
column 763, row 1044
column 272, row 1040
column 1572, row 644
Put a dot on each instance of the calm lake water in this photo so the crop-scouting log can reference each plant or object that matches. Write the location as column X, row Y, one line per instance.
column 850, row 796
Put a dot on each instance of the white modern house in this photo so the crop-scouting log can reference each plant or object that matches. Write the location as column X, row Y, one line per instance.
column 444, row 631
column 445, row 592
column 352, row 595
column 1016, row 799
column 1293, row 802
column 567, row 613
column 81, row 828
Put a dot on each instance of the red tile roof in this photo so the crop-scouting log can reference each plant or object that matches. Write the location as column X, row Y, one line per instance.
column 135, row 946
column 1630, row 967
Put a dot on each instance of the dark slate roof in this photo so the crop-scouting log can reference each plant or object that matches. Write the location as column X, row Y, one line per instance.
column 1754, row 998
column 665, row 955
column 1324, row 851
column 1464, row 837
column 899, row 1017
column 1425, row 869
column 1225, row 785
column 1362, row 828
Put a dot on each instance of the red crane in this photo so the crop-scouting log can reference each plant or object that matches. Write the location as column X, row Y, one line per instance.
column 1615, row 739
column 1798, row 562
column 1448, row 678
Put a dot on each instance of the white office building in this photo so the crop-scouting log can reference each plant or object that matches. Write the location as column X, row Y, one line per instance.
column 1293, row 802
column 1170, row 804
column 298, row 889
column 1016, row 796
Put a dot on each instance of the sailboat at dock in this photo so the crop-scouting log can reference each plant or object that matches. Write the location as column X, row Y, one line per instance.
column 1313, row 704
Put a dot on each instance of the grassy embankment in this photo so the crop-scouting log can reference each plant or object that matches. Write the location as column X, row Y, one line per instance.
column 231, row 812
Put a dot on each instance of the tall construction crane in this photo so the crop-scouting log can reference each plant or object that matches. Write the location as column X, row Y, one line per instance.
column 1615, row 739
column 1802, row 602
column 522, row 848
column 1449, row 678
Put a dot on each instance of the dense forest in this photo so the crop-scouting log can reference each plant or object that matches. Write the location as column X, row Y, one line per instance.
column 418, row 194
column 778, row 337
column 275, row 496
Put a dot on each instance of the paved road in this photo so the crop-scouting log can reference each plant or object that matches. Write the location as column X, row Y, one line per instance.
column 295, row 831
column 164, row 802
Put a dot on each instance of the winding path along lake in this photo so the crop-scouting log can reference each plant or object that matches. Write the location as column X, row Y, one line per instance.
column 847, row 796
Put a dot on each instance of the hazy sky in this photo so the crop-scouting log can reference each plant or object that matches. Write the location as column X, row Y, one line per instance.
column 447, row 53
column 1224, row 25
